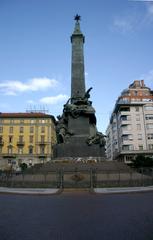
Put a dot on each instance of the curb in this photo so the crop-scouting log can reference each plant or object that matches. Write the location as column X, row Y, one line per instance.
column 122, row 190
column 55, row 191
column 29, row 191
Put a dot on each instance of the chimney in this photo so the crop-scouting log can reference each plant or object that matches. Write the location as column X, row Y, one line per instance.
column 142, row 83
column 136, row 83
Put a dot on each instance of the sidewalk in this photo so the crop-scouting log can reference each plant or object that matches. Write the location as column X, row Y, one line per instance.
column 123, row 190
column 32, row 191
column 50, row 191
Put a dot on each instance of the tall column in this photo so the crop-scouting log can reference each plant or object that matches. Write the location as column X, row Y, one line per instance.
column 77, row 68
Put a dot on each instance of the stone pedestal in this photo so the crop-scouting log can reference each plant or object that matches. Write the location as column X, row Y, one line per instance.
column 78, row 147
column 79, row 125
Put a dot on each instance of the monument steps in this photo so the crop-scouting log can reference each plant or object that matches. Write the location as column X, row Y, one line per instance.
column 66, row 165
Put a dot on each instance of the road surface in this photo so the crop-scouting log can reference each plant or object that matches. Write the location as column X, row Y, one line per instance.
column 77, row 216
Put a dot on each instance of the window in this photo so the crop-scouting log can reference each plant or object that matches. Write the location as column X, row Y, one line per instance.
column 32, row 121
column 124, row 109
column 150, row 135
column 130, row 137
column 137, row 109
column 126, row 127
column 125, row 117
column 138, row 127
column 42, row 139
column 20, row 139
column 127, row 147
column 1, row 129
column 21, row 121
column 127, row 137
column 30, row 149
column 131, row 147
column 31, row 129
column 42, row 129
column 149, row 116
column 1, row 120
column 11, row 130
column 10, row 139
column 148, row 108
column 20, row 150
column 42, row 121
column 42, row 150
column 1, row 139
column 115, row 142
column 139, row 136
column 31, row 139
column 150, row 146
column 140, row 147
column 21, row 129
column 0, row 149
column 149, row 126
column 10, row 149
column 11, row 121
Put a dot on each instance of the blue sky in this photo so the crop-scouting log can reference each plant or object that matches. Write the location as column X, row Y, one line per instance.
column 35, row 52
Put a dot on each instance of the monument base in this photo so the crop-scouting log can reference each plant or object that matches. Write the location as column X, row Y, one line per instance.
column 78, row 148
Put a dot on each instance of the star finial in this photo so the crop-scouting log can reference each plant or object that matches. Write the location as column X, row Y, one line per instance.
column 77, row 18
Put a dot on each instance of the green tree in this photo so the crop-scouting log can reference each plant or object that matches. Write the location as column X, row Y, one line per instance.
column 142, row 161
column 23, row 166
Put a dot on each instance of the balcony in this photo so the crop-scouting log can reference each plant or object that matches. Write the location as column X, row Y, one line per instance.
column 136, row 152
column 124, row 131
column 42, row 143
column 125, row 122
column 20, row 143
column 126, row 141
column 42, row 155
column 8, row 155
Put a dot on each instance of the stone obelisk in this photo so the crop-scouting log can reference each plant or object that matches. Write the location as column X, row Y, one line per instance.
column 77, row 135
column 77, row 67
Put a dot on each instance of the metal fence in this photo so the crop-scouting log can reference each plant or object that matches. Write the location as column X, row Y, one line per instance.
column 78, row 178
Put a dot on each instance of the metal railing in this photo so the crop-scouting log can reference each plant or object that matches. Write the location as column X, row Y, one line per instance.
column 78, row 178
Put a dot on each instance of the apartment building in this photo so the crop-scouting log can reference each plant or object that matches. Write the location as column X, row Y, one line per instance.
column 26, row 138
column 130, row 131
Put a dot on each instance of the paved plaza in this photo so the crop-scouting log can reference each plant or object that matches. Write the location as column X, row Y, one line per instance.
column 77, row 215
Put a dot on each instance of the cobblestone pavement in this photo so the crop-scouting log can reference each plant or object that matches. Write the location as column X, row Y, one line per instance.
column 77, row 216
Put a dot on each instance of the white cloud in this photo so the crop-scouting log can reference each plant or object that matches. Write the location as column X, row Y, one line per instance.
column 135, row 20
column 149, row 6
column 123, row 25
column 54, row 99
column 34, row 84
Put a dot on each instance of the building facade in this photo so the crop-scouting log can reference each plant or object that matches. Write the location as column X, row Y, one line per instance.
column 130, row 131
column 26, row 138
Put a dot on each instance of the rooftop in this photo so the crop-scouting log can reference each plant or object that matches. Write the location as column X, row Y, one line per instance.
column 26, row 115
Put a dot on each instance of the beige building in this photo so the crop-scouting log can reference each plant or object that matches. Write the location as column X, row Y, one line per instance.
column 26, row 138
column 130, row 131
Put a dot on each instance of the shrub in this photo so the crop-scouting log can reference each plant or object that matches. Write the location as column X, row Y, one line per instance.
column 142, row 161
column 23, row 166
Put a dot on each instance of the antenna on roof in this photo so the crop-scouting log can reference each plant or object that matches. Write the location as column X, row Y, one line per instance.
column 37, row 109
